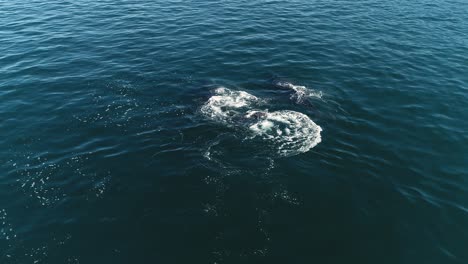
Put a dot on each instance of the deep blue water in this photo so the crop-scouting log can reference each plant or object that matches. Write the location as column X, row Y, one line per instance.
column 116, row 146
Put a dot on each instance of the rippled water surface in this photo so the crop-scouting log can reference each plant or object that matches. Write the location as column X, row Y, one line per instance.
column 233, row 131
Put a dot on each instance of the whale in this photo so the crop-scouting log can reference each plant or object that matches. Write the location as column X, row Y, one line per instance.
column 286, row 132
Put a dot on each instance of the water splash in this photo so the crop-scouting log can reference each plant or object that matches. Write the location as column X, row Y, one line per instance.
column 290, row 132
column 227, row 104
column 301, row 93
column 287, row 132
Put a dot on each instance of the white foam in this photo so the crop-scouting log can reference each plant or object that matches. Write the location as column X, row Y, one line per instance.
column 290, row 132
column 287, row 132
column 300, row 92
column 226, row 104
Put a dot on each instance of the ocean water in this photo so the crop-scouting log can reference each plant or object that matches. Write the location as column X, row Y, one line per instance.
column 233, row 131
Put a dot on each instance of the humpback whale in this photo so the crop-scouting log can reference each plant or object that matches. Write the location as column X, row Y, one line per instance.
column 287, row 132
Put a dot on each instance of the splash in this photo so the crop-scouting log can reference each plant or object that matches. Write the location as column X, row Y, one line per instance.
column 300, row 92
column 288, row 132
column 226, row 104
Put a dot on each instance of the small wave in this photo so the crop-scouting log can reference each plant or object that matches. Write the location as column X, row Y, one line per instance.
column 290, row 132
column 300, row 92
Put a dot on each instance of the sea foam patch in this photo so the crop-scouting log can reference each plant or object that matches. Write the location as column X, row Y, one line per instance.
column 287, row 132
column 290, row 132
column 227, row 104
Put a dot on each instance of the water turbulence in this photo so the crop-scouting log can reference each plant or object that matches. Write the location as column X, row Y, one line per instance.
column 300, row 92
column 286, row 132
column 290, row 132
column 227, row 105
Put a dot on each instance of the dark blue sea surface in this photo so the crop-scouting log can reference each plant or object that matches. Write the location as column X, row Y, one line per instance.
column 233, row 131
